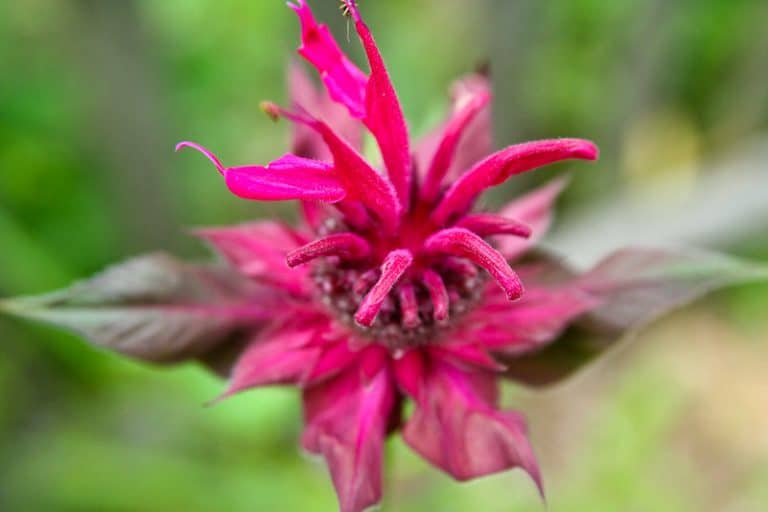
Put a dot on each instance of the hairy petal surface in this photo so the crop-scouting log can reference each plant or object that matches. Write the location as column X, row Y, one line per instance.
column 288, row 177
column 346, row 423
column 632, row 287
column 456, row 426
column 499, row 166
column 154, row 308
column 384, row 115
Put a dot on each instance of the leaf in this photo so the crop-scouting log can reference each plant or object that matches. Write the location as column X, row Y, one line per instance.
column 153, row 307
column 634, row 287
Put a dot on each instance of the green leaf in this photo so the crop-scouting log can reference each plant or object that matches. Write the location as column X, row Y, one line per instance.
column 634, row 287
column 153, row 308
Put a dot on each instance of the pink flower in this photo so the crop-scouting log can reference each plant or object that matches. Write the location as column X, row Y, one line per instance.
column 394, row 288
column 391, row 296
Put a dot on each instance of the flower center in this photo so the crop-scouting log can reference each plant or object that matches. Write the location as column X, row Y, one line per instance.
column 342, row 288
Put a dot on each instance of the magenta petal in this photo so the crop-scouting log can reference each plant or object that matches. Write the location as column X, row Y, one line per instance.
column 258, row 250
column 539, row 317
column 360, row 180
column 535, row 210
column 464, row 243
column 443, row 157
column 274, row 358
column 476, row 140
column 384, row 115
column 512, row 160
column 456, row 427
column 486, row 224
column 344, row 81
column 346, row 423
column 288, row 177
column 304, row 95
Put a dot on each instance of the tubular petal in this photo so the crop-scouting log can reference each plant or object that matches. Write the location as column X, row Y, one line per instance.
column 438, row 294
column 345, row 245
column 512, row 160
column 464, row 243
column 344, row 81
column 288, row 177
column 486, row 224
column 441, row 161
column 394, row 266
column 409, row 306
column 384, row 115
column 360, row 180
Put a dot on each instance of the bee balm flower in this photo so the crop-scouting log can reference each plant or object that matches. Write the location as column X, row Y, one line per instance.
column 393, row 288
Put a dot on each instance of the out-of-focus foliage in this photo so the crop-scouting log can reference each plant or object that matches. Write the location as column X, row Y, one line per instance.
column 93, row 96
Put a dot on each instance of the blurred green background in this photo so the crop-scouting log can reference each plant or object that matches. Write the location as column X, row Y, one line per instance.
column 95, row 93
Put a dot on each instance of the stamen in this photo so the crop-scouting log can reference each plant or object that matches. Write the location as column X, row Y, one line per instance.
column 394, row 266
column 438, row 294
column 464, row 243
column 344, row 245
column 486, row 224
column 409, row 306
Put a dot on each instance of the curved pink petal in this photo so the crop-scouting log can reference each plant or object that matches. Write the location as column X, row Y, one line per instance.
column 463, row 243
column 346, row 423
column 258, row 250
column 305, row 95
column 344, row 81
column 288, row 177
column 476, row 139
column 384, row 115
column 467, row 109
column 486, row 224
column 360, row 180
column 456, row 426
column 512, row 160
column 535, row 210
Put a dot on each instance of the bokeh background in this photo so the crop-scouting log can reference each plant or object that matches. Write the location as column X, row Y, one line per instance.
column 95, row 93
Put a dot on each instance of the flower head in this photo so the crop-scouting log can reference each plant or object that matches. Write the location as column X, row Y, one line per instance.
column 402, row 291
column 394, row 287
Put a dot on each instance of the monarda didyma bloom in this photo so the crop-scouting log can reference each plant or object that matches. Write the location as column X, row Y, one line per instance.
column 393, row 288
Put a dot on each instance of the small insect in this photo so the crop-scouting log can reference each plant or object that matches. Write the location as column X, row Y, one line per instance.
column 345, row 8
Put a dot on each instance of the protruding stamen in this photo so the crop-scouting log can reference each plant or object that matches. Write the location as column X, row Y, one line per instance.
column 486, row 224
column 344, row 245
column 464, row 243
column 438, row 294
column 409, row 306
column 394, row 266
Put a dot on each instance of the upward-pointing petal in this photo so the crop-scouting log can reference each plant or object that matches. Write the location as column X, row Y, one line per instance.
column 384, row 115
column 344, row 81
column 512, row 160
